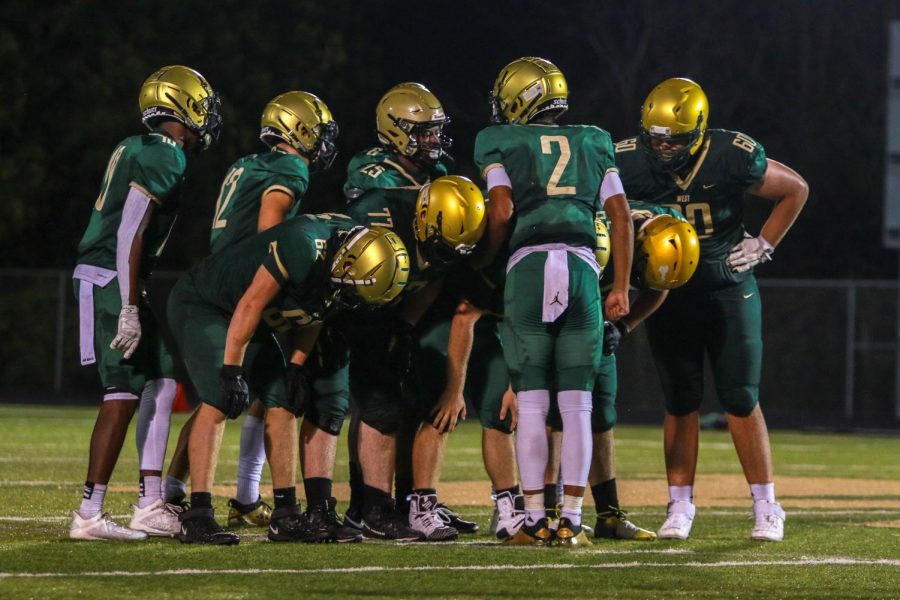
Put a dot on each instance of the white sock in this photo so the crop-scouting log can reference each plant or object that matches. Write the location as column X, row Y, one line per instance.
column 532, row 449
column 534, row 508
column 174, row 488
column 152, row 432
column 684, row 493
column 763, row 491
column 571, row 508
column 252, row 459
column 149, row 490
column 577, row 442
column 92, row 500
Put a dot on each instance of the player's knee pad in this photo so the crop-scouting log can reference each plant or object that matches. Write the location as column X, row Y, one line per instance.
column 739, row 401
column 679, row 404
column 330, row 424
column 385, row 422
column 603, row 418
column 493, row 421
column 114, row 393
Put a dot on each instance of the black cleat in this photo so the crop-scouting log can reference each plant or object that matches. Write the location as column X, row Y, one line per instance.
column 453, row 520
column 383, row 522
column 199, row 526
column 325, row 527
column 288, row 524
column 353, row 517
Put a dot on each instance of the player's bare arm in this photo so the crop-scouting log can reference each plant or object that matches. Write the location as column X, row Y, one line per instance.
column 616, row 305
column 302, row 342
column 246, row 317
column 789, row 191
column 452, row 404
column 500, row 212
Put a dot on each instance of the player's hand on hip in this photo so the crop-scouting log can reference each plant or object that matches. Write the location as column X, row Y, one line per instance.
column 751, row 251
column 616, row 305
column 235, row 392
column 129, row 331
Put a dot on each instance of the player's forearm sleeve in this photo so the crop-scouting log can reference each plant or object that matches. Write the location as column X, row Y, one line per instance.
column 132, row 214
column 498, row 176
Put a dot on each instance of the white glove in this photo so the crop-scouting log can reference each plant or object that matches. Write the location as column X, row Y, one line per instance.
column 129, row 332
column 750, row 252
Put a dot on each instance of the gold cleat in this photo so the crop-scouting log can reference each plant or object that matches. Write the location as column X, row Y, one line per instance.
column 538, row 534
column 258, row 514
column 571, row 535
column 613, row 524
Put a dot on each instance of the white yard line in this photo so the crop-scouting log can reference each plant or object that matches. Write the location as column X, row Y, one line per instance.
column 803, row 562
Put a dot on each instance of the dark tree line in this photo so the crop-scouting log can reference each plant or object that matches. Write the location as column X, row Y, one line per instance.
column 807, row 79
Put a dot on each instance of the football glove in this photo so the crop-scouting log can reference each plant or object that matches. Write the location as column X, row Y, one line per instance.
column 235, row 393
column 750, row 252
column 129, row 332
column 298, row 386
column 613, row 332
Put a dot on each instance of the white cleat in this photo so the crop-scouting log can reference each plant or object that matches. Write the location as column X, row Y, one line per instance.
column 158, row 519
column 679, row 519
column 769, row 522
column 510, row 515
column 425, row 518
column 102, row 527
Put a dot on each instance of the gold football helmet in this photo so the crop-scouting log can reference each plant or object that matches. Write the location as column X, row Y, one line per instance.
column 450, row 218
column 527, row 87
column 666, row 253
column 302, row 121
column 410, row 119
column 676, row 111
column 372, row 263
column 601, row 251
column 182, row 94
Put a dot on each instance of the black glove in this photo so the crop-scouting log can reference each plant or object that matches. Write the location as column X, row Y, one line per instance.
column 235, row 393
column 299, row 388
column 613, row 332
column 400, row 348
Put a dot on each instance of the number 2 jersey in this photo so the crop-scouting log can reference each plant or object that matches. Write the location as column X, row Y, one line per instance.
column 247, row 181
column 152, row 163
column 710, row 195
column 555, row 172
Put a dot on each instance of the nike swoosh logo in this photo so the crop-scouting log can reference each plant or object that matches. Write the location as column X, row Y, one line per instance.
column 706, row 187
column 274, row 530
column 747, row 295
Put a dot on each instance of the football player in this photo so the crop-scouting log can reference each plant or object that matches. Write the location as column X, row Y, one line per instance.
column 258, row 192
column 440, row 224
column 551, row 178
column 223, row 312
column 129, row 225
column 704, row 173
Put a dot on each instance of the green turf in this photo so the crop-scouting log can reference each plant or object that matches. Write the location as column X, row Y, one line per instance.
column 826, row 554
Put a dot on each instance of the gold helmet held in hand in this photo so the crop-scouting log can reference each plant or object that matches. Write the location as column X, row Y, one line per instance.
column 676, row 111
column 450, row 218
column 410, row 119
column 527, row 87
column 601, row 250
column 666, row 254
column 373, row 261
column 302, row 121
column 182, row 94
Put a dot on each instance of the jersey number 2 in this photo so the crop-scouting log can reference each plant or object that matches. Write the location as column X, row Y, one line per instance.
column 553, row 189
column 225, row 194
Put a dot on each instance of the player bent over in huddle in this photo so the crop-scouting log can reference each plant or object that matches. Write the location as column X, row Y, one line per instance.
column 131, row 220
column 260, row 191
column 441, row 225
column 552, row 177
column 665, row 257
column 301, row 271
column 678, row 162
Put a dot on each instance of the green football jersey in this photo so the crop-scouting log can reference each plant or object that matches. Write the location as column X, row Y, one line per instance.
column 247, row 181
column 152, row 163
column 378, row 168
column 294, row 252
column 710, row 196
column 556, row 172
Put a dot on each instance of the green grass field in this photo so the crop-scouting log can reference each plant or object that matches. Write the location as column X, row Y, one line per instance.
column 842, row 494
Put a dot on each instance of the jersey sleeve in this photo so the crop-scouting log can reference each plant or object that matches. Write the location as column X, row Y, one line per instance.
column 291, row 257
column 158, row 170
column 488, row 150
column 745, row 160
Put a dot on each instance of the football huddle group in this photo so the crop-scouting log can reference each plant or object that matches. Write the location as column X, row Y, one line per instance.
column 423, row 295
